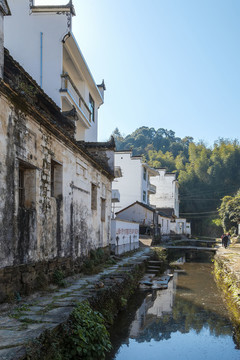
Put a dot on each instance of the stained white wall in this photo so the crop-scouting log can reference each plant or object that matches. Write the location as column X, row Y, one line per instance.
column 124, row 236
column 81, row 228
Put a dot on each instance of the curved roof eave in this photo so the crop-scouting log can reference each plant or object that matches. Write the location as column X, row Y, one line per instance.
column 71, row 42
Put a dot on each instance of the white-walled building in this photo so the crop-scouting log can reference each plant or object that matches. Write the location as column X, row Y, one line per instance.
column 166, row 195
column 4, row 10
column 149, row 219
column 40, row 38
column 134, row 185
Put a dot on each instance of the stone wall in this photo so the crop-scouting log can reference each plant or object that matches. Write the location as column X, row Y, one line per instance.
column 19, row 280
column 48, row 209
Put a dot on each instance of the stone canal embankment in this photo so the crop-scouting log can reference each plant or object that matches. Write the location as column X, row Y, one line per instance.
column 107, row 292
column 227, row 275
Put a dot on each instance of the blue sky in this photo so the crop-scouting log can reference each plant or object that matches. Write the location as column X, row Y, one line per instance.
column 170, row 64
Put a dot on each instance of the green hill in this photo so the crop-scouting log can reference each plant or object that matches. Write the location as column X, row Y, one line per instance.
column 205, row 174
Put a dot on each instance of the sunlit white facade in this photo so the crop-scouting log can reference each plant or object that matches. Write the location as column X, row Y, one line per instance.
column 40, row 38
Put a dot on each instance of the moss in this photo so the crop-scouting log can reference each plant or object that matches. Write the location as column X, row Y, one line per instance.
column 227, row 283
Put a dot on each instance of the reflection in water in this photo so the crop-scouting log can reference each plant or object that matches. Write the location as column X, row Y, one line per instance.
column 184, row 321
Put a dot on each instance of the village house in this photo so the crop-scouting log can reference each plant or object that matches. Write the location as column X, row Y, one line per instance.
column 55, row 191
column 134, row 185
column 166, row 199
column 154, row 205
column 151, row 221
column 44, row 45
column 166, row 195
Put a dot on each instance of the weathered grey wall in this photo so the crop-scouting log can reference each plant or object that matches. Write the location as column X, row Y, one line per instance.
column 62, row 226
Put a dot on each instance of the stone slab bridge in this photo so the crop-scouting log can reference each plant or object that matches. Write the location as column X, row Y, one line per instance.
column 195, row 247
column 189, row 247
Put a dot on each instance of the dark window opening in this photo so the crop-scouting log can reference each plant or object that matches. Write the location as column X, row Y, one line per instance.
column 145, row 173
column 26, row 185
column 94, row 197
column 144, row 196
column 21, row 187
column 103, row 209
column 91, row 108
column 56, row 179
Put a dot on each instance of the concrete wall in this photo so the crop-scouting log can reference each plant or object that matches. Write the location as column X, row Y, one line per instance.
column 60, row 224
column 124, row 236
column 166, row 191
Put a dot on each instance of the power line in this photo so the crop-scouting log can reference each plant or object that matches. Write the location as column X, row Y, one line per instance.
column 187, row 199
column 198, row 213
column 210, row 191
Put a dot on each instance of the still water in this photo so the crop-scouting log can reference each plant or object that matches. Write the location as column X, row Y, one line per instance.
column 186, row 321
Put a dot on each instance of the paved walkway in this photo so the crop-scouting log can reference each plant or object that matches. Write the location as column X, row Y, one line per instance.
column 232, row 256
column 33, row 315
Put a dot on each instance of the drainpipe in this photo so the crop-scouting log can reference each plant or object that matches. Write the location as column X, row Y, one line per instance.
column 1, row 45
column 4, row 11
column 41, row 59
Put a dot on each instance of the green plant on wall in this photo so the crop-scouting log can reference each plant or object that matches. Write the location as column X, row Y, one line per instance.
column 86, row 335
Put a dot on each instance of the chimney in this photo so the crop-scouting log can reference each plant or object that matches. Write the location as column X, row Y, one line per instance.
column 4, row 10
column 102, row 88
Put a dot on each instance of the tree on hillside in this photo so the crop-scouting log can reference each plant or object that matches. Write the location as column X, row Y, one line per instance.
column 229, row 212
column 206, row 175
column 144, row 139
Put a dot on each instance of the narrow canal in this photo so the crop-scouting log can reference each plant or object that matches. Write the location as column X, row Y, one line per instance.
column 186, row 321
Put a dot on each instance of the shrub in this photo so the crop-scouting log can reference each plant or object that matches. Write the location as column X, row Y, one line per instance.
column 87, row 337
column 58, row 278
